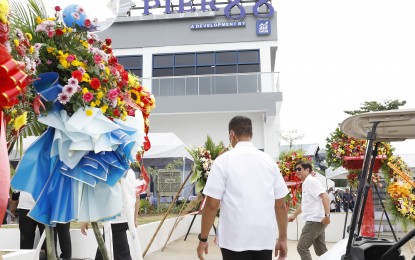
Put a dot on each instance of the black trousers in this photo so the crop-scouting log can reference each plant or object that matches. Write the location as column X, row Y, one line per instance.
column 64, row 236
column 246, row 255
column 119, row 241
column 27, row 227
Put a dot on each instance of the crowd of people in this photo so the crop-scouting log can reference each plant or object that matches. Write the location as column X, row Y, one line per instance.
column 341, row 201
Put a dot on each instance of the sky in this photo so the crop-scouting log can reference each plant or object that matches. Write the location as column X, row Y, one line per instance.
column 334, row 55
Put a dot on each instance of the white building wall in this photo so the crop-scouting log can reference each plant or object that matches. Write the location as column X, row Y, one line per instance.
column 193, row 129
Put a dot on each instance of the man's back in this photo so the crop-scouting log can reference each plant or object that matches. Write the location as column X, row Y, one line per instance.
column 247, row 181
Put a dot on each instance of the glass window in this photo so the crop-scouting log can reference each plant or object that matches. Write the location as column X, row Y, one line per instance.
column 131, row 61
column 205, row 58
column 228, row 57
column 138, row 73
column 184, row 59
column 224, row 69
column 184, row 71
column 248, row 68
column 205, row 70
column 248, row 57
column 163, row 72
column 163, row 61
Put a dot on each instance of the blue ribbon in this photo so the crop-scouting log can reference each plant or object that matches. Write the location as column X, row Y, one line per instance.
column 49, row 88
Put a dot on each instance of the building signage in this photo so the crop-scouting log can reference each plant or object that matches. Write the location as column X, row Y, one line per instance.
column 198, row 26
column 186, row 6
column 263, row 27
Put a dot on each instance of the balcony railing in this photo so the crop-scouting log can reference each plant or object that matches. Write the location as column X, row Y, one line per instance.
column 212, row 84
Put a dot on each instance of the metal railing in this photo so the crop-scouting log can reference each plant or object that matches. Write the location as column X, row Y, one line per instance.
column 213, row 84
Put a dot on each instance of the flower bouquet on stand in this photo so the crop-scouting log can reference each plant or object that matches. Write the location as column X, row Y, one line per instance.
column 286, row 164
column 96, row 115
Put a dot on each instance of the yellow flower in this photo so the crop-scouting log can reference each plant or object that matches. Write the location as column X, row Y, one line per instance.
column 51, row 18
column 31, row 49
column 20, row 121
column 85, row 77
column 76, row 63
column 98, row 102
column 85, row 90
column 29, row 36
column 50, row 49
column 70, row 29
column 100, row 95
column 93, row 104
column 16, row 42
column 104, row 108
column 39, row 20
column 89, row 112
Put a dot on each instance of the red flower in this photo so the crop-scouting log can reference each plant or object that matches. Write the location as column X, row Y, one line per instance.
column 95, row 83
column 91, row 41
column 77, row 74
column 117, row 113
column 112, row 61
column 108, row 51
column 108, row 41
column 57, row 8
column 59, row 32
column 87, row 23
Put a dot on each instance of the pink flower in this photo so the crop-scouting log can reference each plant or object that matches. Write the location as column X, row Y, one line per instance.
column 97, row 58
column 113, row 94
column 70, row 58
column 50, row 33
column 63, row 98
column 88, row 97
column 48, row 62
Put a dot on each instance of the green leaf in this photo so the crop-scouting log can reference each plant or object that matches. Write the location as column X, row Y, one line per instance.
column 200, row 185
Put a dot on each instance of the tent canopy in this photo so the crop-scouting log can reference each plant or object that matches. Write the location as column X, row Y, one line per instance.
column 164, row 148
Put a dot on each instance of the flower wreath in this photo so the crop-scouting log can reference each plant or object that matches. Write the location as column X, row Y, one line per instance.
column 203, row 157
column 286, row 165
column 401, row 199
column 340, row 148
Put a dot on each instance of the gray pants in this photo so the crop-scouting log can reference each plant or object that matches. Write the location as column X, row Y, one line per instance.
column 312, row 234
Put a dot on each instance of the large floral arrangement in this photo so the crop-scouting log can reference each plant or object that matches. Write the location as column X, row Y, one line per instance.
column 203, row 157
column 401, row 197
column 345, row 151
column 96, row 113
column 286, row 165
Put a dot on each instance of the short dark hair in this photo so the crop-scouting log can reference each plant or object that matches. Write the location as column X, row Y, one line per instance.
column 241, row 125
column 305, row 165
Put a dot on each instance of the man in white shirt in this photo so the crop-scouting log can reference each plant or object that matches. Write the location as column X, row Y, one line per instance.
column 315, row 207
column 250, row 190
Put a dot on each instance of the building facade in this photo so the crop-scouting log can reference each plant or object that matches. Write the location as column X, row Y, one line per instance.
column 205, row 62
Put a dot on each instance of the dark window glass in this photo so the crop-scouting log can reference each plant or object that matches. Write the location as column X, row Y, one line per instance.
column 184, row 71
column 228, row 57
column 205, row 70
column 162, row 72
column 248, row 57
column 248, row 68
column 225, row 69
column 184, row 59
column 205, row 58
column 138, row 73
column 131, row 61
column 163, row 61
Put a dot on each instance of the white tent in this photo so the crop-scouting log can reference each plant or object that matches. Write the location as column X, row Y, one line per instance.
column 337, row 174
column 166, row 147
column 325, row 181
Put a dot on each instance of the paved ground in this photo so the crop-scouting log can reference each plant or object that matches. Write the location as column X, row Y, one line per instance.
column 186, row 250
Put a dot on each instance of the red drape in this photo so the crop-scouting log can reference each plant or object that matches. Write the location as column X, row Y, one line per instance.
column 368, row 222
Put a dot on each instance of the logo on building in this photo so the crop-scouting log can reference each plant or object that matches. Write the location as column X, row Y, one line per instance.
column 263, row 27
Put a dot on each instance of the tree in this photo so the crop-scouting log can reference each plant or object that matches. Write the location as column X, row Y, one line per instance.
column 371, row 106
column 290, row 136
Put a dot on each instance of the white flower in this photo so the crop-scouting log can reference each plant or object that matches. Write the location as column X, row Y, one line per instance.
column 70, row 90
column 37, row 46
column 73, row 81
column 63, row 98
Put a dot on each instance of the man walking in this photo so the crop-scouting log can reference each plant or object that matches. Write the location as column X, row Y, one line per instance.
column 315, row 207
column 250, row 190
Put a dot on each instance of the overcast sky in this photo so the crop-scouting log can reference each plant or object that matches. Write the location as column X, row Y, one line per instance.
column 334, row 55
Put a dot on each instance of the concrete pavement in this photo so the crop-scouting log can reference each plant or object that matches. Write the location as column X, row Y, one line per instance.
column 186, row 250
